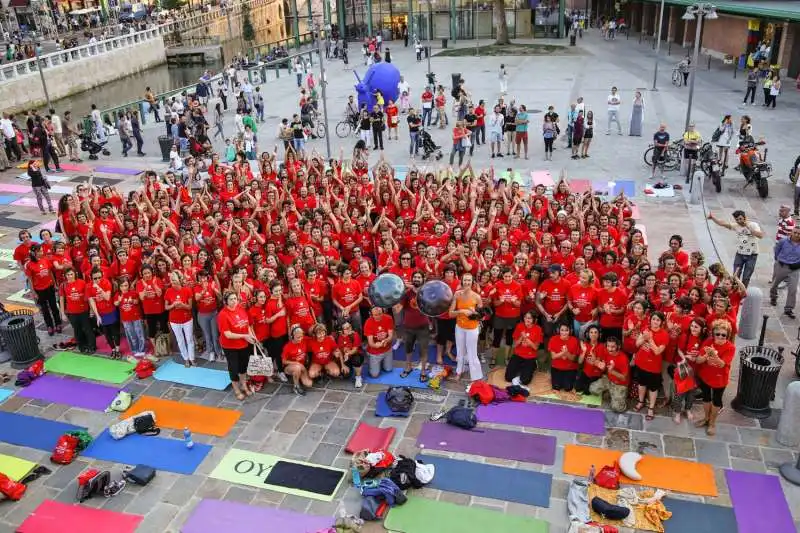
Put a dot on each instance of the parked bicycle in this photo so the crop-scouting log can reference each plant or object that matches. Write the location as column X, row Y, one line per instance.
column 671, row 159
column 347, row 127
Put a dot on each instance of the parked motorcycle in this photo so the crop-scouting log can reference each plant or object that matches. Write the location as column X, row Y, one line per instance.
column 710, row 165
column 754, row 167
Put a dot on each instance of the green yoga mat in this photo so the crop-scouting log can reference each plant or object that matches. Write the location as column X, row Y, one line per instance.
column 587, row 399
column 418, row 515
column 90, row 367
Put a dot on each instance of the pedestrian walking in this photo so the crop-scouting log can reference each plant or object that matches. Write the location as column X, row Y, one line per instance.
column 40, row 186
column 787, row 267
column 97, row 122
column 71, row 135
column 752, row 83
column 766, row 87
column 549, row 135
column 58, row 133
column 136, row 130
column 218, row 121
column 9, row 136
column 503, row 75
column 724, row 135
column 774, row 90
column 577, row 135
column 588, row 134
column 614, row 103
column 125, row 133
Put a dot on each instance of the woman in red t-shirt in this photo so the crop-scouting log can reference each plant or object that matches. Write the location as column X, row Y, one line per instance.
column 294, row 357
column 151, row 292
column 236, row 338
column 278, row 327
column 649, row 356
column 325, row 359
column 564, row 351
column 178, row 302
column 591, row 360
column 687, row 350
column 75, row 306
column 527, row 337
column 713, row 372
column 348, row 346
column 101, row 302
column 206, row 298
column 130, row 314
column 39, row 270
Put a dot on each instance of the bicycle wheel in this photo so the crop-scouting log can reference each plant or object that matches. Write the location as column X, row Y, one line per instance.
column 676, row 78
column 344, row 129
column 648, row 156
column 672, row 160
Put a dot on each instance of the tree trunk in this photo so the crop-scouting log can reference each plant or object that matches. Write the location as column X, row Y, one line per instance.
column 500, row 24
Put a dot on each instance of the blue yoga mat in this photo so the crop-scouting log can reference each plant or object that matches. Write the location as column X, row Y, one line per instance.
column 490, row 481
column 382, row 408
column 6, row 199
column 697, row 517
column 626, row 186
column 4, row 394
column 162, row 454
column 32, row 432
column 393, row 379
column 400, row 355
column 207, row 378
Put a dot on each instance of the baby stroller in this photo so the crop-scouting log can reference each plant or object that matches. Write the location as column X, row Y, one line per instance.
column 88, row 144
column 428, row 146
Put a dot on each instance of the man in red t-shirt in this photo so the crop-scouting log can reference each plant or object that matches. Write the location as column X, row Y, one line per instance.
column 379, row 330
column 507, row 298
column 612, row 302
column 551, row 299
column 347, row 296
column 616, row 377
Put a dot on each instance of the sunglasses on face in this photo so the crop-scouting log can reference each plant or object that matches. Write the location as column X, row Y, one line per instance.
column 720, row 334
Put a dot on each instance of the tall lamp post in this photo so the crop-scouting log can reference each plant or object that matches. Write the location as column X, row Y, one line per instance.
column 323, row 82
column 658, row 44
column 429, row 30
column 700, row 12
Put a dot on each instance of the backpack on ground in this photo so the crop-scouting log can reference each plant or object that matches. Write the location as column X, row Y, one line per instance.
column 161, row 346
column 462, row 416
column 399, row 399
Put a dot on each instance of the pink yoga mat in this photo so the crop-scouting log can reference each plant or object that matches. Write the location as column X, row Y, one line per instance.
column 104, row 348
column 580, row 186
column 214, row 516
column 542, row 177
column 488, row 442
column 25, row 202
column 56, row 517
column 13, row 187
column 545, row 416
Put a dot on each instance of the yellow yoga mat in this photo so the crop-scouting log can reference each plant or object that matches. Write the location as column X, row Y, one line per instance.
column 180, row 415
column 659, row 472
column 14, row 467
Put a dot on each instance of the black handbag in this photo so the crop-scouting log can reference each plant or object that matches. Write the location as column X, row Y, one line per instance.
column 139, row 474
column 146, row 425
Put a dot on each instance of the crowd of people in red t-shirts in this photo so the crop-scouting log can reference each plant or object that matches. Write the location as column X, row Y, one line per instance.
column 282, row 254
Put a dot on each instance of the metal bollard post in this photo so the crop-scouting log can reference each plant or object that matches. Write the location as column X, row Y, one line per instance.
column 748, row 318
column 789, row 424
column 696, row 187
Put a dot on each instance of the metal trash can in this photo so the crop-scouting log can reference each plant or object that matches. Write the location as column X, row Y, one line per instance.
column 165, row 143
column 19, row 336
column 759, row 367
column 427, row 50
column 444, row 42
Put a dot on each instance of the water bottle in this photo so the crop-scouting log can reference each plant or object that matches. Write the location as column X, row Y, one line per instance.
column 187, row 438
column 591, row 475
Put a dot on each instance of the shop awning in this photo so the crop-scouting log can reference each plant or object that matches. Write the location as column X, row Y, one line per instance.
column 18, row 3
column 770, row 9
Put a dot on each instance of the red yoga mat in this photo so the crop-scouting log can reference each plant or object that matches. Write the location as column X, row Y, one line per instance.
column 56, row 517
column 368, row 437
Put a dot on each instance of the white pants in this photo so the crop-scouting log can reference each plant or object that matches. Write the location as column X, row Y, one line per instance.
column 503, row 86
column 467, row 352
column 184, row 334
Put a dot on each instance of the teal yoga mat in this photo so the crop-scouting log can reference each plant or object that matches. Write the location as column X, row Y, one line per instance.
column 207, row 378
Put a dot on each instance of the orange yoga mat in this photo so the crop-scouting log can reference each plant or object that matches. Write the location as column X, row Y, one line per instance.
column 659, row 472
column 180, row 415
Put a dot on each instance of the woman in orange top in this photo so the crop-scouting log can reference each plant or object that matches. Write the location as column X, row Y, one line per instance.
column 714, row 371
column 464, row 308
column 391, row 118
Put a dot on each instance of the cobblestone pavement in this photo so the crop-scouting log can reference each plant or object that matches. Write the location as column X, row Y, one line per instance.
column 315, row 427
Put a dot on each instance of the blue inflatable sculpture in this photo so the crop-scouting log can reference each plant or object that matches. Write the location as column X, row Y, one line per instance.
column 381, row 76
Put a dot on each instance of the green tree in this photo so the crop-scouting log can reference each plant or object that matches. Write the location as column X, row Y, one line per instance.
column 500, row 23
column 172, row 4
column 248, row 32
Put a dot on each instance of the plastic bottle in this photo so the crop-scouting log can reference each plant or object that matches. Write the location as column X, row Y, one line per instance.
column 591, row 475
column 187, row 438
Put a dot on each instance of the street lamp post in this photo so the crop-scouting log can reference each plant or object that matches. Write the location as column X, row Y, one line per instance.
column 429, row 30
column 699, row 11
column 658, row 44
column 323, row 82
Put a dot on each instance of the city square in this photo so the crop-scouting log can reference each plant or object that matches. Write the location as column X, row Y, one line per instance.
column 314, row 427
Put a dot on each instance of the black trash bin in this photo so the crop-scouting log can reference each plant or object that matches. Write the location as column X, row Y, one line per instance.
column 444, row 43
column 19, row 336
column 759, row 367
column 165, row 143
column 427, row 50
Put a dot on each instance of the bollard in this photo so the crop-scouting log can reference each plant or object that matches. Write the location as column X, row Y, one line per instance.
column 751, row 307
column 791, row 472
column 789, row 425
column 696, row 187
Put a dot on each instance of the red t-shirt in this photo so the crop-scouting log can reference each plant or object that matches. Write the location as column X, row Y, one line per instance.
column 208, row 298
column 713, row 376
column 321, row 351
column 295, row 352
column 279, row 328
column 645, row 359
column 346, row 293
column 22, row 253
column 299, row 310
column 584, row 299
column 379, row 329
column 129, row 308
column 152, row 305
column 504, row 292
column 236, row 322
column 258, row 319
column 348, row 342
column 533, row 333
column 556, row 345
column 554, row 294
column 41, row 273
column 104, row 307
column 183, row 296
column 595, row 352
column 621, row 365
column 75, row 297
column 617, row 299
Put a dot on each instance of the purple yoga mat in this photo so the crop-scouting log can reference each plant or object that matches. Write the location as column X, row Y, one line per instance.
column 213, row 516
column 545, row 416
column 119, row 170
column 487, row 442
column 69, row 391
column 758, row 503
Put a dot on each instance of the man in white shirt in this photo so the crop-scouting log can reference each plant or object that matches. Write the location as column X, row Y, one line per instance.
column 58, row 130
column 97, row 120
column 247, row 89
column 748, row 234
column 403, row 89
column 614, row 102
column 580, row 106
column 10, row 137
column 496, row 123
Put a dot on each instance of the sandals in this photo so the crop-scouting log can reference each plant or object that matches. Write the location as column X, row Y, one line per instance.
column 423, row 377
column 405, row 373
column 650, row 415
column 240, row 396
column 638, row 406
